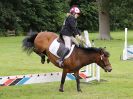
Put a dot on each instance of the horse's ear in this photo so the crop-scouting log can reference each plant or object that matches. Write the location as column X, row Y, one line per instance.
column 104, row 48
column 101, row 50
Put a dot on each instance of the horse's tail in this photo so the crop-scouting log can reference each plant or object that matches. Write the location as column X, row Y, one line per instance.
column 28, row 44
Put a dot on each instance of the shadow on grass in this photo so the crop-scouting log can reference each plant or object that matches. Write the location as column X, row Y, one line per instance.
column 95, row 82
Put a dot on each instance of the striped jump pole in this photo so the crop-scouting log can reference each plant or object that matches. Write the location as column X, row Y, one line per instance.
column 37, row 78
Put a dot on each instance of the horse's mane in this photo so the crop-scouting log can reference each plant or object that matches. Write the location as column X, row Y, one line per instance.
column 94, row 49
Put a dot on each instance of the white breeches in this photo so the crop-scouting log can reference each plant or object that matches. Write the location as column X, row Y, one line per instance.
column 68, row 40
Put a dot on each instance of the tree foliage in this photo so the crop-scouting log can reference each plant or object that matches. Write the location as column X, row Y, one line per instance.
column 35, row 14
column 89, row 16
column 121, row 14
column 88, row 19
column 39, row 15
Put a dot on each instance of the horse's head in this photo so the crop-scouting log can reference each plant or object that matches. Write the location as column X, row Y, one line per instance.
column 103, row 60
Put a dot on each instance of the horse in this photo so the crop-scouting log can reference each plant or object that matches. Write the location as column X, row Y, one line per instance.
column 80, row 57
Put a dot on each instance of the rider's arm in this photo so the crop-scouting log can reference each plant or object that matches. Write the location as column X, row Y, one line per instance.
column 79, row 32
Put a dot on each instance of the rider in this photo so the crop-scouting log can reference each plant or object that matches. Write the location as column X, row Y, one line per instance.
column 69, row 31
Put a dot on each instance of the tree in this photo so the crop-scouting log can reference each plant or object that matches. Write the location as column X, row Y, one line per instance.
column 114, row 15
column 49, row 15
column 88, row 19
column 32, row 14
column 104, row 24
column 7, row 15
column 121, row 12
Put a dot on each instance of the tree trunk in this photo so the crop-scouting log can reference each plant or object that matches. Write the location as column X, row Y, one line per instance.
column 104, row 24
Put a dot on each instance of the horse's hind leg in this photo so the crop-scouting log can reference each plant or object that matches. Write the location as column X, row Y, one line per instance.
column 63, row 81
column 77, row 81
column 43, row 59
column 42, row 55
column 48, row 61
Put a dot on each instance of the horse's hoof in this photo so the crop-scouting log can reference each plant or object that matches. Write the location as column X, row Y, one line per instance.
column 79, row 90
column 48, row 61
column 42, row 61
column 61, row 90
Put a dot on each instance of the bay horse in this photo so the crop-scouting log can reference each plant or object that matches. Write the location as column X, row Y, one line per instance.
column 39, row 43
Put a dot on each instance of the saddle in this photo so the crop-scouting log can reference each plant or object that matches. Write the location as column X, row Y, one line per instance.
column 62, row 47
column 57, row 48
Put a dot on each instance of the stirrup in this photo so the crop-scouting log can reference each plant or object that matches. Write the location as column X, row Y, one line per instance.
column 60, row 62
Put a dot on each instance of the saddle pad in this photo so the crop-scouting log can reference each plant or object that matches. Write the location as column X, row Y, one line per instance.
column 55, row 46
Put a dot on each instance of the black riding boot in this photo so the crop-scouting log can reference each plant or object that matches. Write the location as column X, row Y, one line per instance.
column 61, row 60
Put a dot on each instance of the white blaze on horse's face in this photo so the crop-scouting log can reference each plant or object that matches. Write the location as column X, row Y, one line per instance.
column 101, row 56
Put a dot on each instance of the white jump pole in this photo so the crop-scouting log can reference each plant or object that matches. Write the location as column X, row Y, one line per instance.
column 88, row 44
column 87, row 41
column 125, row 46
column 97, row 73
column 91, row 70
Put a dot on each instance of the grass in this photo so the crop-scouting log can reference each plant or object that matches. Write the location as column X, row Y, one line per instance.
column 115, row 85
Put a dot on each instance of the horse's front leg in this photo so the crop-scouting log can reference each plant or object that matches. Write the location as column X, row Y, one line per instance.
column 77, row 81
column 64, row 73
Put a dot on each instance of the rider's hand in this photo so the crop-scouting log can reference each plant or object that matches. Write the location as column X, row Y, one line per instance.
column 78, row 37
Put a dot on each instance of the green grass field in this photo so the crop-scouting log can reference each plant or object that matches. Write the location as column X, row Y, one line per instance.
column 115, row 85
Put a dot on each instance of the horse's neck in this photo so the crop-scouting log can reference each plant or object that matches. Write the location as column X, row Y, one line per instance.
column 88, row 58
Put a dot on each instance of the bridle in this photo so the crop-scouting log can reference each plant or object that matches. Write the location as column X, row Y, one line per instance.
column 101, row 57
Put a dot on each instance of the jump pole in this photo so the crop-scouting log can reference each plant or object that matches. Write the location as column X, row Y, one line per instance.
column 128, row 49
column 36, row 78
column 88, row 44
column 125, row 46
column 92, row 70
